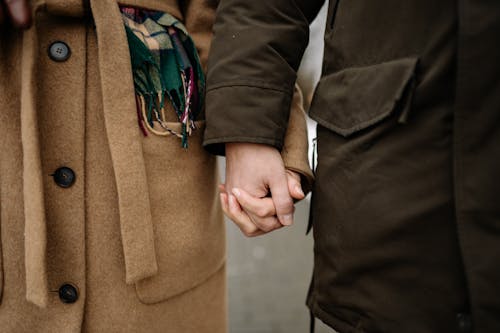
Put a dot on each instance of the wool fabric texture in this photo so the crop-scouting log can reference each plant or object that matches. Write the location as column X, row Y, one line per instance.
column 142, row 258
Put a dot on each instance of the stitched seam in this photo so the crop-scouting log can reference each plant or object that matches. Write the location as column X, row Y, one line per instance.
column 251, row 84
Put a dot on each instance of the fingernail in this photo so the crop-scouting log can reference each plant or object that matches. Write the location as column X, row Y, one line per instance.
column 298, row 189
column 236, row 192
column 286, row 219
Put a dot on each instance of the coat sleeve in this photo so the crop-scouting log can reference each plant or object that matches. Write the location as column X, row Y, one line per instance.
column 252, row 66
column 296, row 145
column 199, row 17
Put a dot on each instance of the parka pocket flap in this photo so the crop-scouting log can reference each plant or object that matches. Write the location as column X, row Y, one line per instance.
column 356, row 98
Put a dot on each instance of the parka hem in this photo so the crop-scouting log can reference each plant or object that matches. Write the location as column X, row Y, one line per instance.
column 336, row 323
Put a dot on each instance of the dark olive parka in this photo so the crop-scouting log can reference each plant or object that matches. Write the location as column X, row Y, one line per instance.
column 406, row 208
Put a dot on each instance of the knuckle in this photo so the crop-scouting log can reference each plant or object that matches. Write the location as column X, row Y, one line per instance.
column 277, row 225
column 262, row 212
column 266, row 226
column 248, row 231
column 285, row 207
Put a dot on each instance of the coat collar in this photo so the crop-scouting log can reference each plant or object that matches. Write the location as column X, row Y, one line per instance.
column 124, row 143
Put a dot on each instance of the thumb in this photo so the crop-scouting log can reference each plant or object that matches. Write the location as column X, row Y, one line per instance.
column 294, row 185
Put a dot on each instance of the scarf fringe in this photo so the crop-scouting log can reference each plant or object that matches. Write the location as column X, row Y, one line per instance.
column 149, row 113
column 173, row 77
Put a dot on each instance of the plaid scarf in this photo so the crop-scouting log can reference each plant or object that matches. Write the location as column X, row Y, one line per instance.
column 167, row 73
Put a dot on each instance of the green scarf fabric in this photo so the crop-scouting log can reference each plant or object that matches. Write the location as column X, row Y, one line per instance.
column 167, row 73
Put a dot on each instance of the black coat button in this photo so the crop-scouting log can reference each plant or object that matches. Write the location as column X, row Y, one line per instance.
column 464, row 322
column 68, row 293
column 64, row 177
column 59, row 51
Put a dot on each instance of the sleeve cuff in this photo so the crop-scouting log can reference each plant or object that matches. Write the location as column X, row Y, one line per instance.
column 239, row 113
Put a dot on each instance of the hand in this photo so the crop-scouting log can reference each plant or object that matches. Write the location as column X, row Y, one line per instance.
column 250, row 213
column 258, row 169
column 17, row 11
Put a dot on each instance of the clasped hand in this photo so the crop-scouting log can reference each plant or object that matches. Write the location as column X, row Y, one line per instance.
column 259, row 192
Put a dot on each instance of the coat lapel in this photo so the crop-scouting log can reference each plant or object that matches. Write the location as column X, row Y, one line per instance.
column 35, row 239
column 124, row 142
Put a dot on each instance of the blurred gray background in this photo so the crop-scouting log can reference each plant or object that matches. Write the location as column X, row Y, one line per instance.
column 269, row 276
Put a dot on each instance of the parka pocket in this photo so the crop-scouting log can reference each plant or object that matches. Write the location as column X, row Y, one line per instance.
column 187, row 219
column 354, row 99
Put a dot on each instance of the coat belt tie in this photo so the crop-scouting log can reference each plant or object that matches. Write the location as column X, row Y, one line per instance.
column 124, row 143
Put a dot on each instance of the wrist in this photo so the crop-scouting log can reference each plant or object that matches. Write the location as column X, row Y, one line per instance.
column 238, row 148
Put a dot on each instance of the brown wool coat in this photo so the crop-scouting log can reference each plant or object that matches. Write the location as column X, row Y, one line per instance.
column 140, row 233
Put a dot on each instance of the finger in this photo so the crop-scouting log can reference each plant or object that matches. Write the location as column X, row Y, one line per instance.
column 232, row 209
column 261, row 207
column 224, row 203
column 225, row 207
column 294, row 185
column 20, row 13
column 282, row 199
column 222, row 188
column 266, row 224
column 248, row 228
column 260, row 210
column 224, row 200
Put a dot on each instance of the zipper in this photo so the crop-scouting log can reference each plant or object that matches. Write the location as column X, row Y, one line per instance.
column 334, row 14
